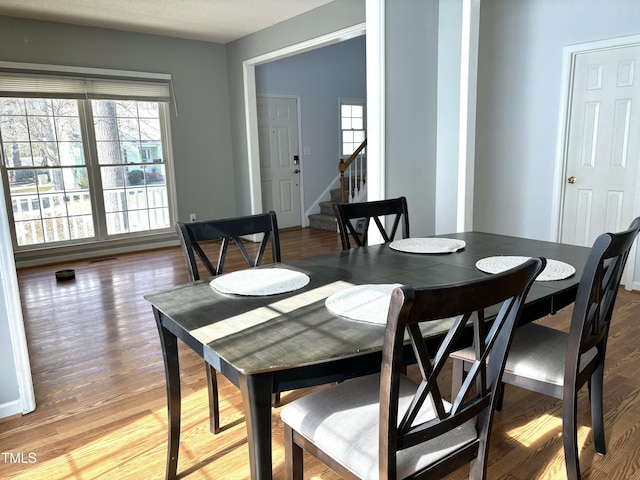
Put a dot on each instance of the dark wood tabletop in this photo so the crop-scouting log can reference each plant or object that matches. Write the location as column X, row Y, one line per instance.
column 281, row 342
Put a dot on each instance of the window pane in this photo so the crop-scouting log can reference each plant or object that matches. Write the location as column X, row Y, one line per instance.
column 42, row 129
column 357, row 111
column 81, row 227
column 108, row 153
column 150, row 129
column 141, row 182
column 18, row 154
column 357, row 124
column 130, row 152
column 112, row 177
column 14, row 129
column 12, row 106
column 38, row 106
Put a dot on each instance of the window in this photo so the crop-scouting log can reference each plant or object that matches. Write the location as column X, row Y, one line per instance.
column 83, row 170
column 352, row 126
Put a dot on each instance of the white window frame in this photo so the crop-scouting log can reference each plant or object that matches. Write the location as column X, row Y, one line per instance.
column 116, row 77
column 350, row 101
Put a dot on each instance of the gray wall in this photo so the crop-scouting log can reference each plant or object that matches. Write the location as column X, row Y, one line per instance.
column 329, row 18
column 411, row 75
column 201, row 131
column 520, row 63
column 320, row 78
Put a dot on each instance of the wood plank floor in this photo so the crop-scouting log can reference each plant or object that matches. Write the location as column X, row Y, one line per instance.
column 101, row 405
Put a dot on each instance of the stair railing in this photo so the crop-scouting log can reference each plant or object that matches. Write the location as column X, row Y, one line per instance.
column 355, row 167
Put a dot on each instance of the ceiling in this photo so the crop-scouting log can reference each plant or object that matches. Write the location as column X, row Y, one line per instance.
column 219, row 21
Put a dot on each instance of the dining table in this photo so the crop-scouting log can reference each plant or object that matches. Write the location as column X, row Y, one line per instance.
column 271, row 343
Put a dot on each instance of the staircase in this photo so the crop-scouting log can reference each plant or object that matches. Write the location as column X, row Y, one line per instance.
column 326, row 219
column 352, row 181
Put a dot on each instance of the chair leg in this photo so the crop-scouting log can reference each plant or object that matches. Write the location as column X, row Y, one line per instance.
column 500, row 397
column 570, row 436
column 293, row 467
column 275, row 400
column 214, row 407
column 597, row 411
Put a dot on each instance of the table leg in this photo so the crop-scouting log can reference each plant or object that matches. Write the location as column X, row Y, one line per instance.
column 256, row 397
column 169, row 344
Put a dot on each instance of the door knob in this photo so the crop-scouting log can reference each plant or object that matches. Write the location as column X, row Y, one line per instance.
column 571, row 180
column 297, row 170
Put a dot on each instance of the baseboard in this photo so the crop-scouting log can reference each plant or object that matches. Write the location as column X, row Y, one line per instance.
column 10, row 409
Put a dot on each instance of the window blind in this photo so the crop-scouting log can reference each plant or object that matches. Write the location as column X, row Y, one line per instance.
column 32, row 85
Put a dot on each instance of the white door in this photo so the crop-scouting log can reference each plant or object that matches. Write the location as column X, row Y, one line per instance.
column 603, row 145
column 279, row 158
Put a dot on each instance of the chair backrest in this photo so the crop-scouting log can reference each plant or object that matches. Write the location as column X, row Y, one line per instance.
column 194, row 235
column 467, row 302
column 346, row 212
column 594, row 304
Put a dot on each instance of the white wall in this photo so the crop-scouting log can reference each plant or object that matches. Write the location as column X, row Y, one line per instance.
column 520, row 63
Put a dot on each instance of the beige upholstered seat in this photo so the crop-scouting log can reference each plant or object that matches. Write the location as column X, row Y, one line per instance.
column 384, row 426
column 558, row 364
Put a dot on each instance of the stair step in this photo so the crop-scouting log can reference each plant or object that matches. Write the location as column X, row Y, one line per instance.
column 326, row 208
column 324, row 222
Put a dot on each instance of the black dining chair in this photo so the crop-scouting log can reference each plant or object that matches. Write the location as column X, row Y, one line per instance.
column 386, row 426
column 558, row 364
column 200, row 241
column 348, row 213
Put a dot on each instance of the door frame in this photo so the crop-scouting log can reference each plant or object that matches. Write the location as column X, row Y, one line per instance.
column 251, row 107
column 569, row 54
column 303, row 221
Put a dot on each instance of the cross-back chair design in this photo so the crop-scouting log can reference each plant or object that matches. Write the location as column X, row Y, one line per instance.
column 558, row 364
column 199, row 237
column 385, row 426
column 348, row 212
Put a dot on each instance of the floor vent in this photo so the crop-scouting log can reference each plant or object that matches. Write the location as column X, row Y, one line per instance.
column 97, row 260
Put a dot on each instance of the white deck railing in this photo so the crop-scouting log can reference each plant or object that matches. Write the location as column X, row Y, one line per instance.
column 56, row 217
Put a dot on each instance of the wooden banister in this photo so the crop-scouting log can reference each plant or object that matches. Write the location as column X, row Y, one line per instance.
column 342, row 167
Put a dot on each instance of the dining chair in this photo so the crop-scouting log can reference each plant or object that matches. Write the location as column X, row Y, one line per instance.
column 558, row 364
column 386, row 426
column 198, row 238
column 347, row 213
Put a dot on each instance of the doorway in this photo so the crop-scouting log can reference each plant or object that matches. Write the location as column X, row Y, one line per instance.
column 280, row 158
column 250, row 102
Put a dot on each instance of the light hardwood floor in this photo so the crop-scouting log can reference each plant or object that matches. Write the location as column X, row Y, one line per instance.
column 101, row 405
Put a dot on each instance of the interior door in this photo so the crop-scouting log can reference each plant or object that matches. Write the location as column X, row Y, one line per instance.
column 279, row 158
column 603, row 145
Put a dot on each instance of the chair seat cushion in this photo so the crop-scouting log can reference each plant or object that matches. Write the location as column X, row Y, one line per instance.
column 537, row 352
column 343, row 421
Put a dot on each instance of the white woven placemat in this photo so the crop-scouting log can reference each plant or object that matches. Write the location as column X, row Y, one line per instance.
column 428, row 245
column 260, row 281
column 365, row 303
column 555, row 270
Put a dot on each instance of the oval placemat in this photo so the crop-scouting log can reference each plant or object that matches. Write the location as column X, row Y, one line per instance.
column 364, row 303
column 555, row 269
column 428, row 245
column 256, row 282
